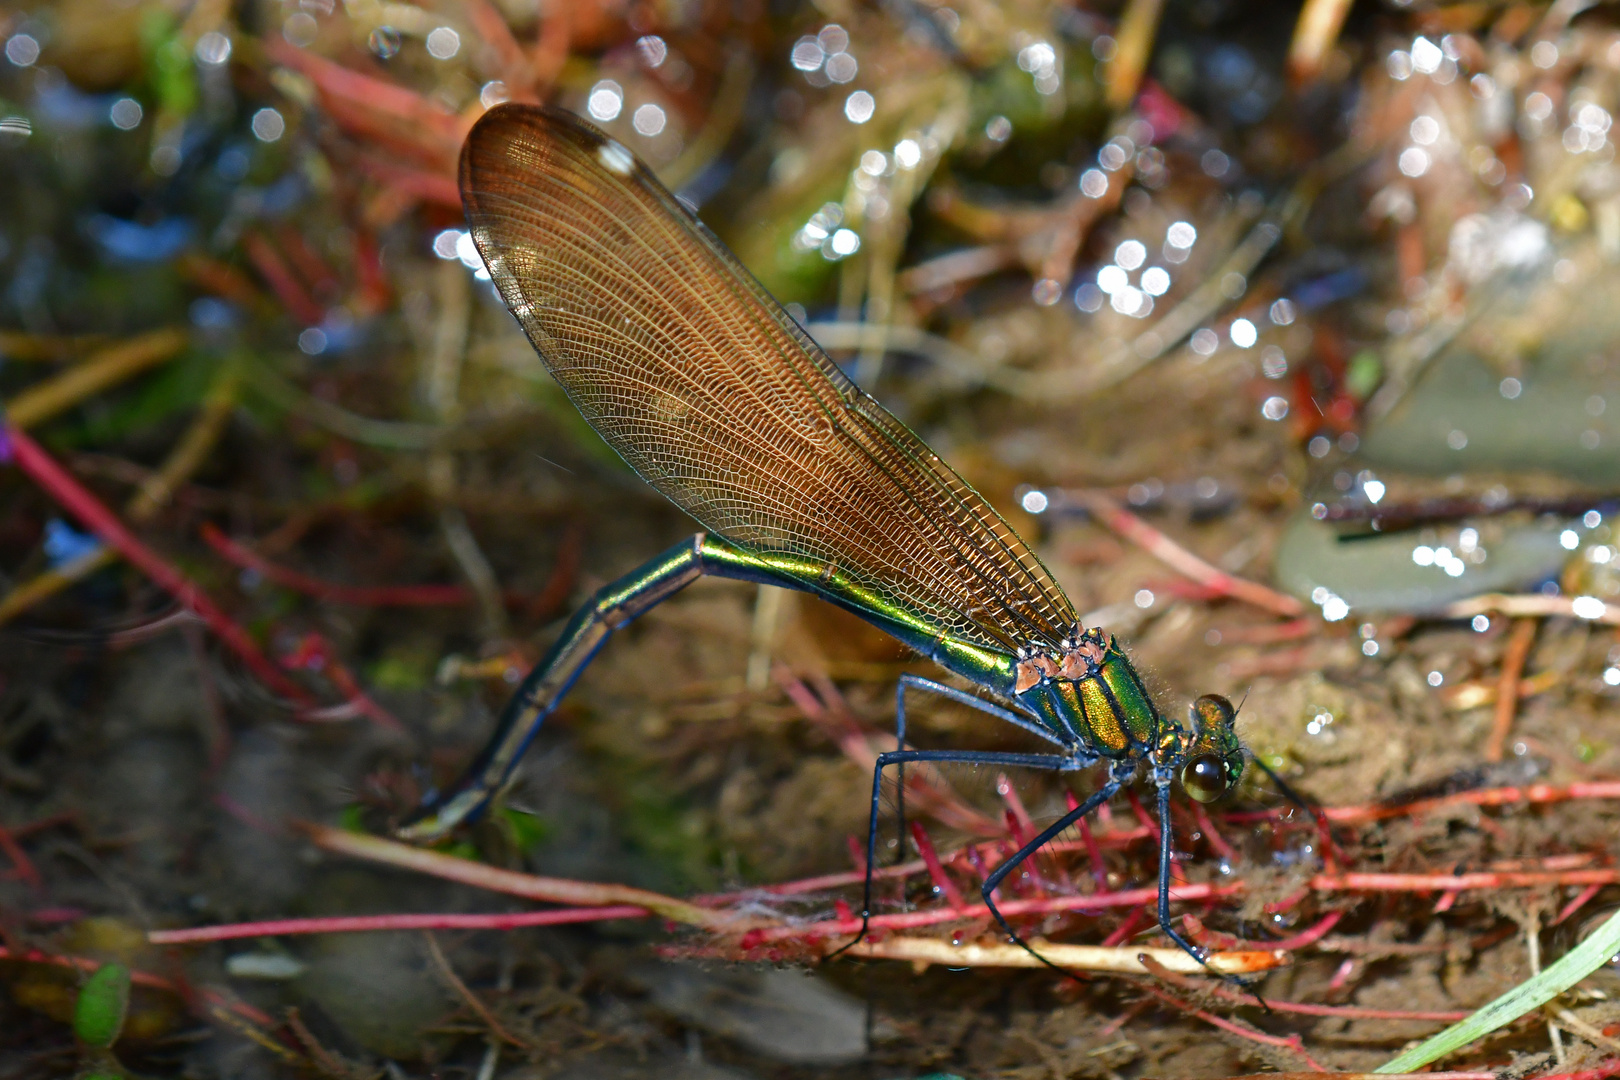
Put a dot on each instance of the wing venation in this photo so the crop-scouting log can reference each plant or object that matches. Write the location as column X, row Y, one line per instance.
column 715, row 396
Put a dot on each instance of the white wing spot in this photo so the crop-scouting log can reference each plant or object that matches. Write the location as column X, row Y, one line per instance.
column 616, row 158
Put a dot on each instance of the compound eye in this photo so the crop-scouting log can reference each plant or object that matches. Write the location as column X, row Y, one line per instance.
column 1204, row 778
column 1211, row 712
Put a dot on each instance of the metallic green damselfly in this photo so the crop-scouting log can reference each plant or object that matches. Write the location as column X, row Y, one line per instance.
column 713, row 393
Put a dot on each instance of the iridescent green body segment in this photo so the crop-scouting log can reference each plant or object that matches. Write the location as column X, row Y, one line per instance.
column 716, row 397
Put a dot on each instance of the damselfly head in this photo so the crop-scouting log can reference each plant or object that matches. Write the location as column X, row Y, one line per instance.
column 1214, row 762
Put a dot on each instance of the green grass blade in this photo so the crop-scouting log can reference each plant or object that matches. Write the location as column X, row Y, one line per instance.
column 1533, row 993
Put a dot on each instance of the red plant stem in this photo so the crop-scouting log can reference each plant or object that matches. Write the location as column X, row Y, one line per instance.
column 1289, row 901
column 1099, row 869
column 1269, row 633
column 1599, row 1071
column 925, row 790
column 1197, row 931
column 1036, row 906
column 99, row 519
column 906, row 869
column 350, row 688
column 857, row 856
column 538, row 605
column 348, row 924
column 1517, row 652
column 375, row 95
column 1142, row 815
column 1347, row 1012
column 930, row 858
column 1305, row 937
column 1291, row 1042
column 275, row 272
column 490, row 25
column 1122, row 933
column 50, row 821
column 358, row 595
column 1094, row 847
column 309, row 264
column 1503, row 796
column 373, row 294
column 1015, row 805
column 1580, row 901
column 427, row 187
column 1207, row 826
column 1446, row 882
column 1131, row 1013
column 1132, row 528
column 975, row 859
column 553, row 595
column 26, row 870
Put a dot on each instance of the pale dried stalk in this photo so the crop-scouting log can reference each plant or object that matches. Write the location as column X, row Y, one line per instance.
column 1527, row 606
column 104, row 368
column 1507, row 687
column 1137, row 29
column 1314, row 34
column 1125, row 959
column 552, row 890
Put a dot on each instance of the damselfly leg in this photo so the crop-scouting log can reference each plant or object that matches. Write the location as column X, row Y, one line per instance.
column 900, row 756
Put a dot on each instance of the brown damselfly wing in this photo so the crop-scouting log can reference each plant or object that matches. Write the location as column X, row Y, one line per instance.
column 715, row 396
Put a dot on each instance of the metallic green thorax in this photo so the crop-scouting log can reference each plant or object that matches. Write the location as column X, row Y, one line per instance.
column 1099, row 703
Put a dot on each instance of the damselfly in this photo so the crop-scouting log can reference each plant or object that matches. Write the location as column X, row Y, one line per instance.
column 716, row 396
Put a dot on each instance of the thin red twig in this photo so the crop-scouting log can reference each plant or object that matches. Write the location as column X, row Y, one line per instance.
column 358, row 595
column 1600, row 1071
column 1122, row 933
column 1309, row 936
column 1488, row 879
column 1507, row 686
column 538, row 605
column 942, row 881
column 924, row 789
column 1582, row 898
column 1206, row 826
column 313, row 653
column 95, row 515
column 1178, row 558
column 1141, row 814
column 437, row 131
column 26, row 870
column 1502, row 796
column 1290, row 1042
column 279, row 276
column 1035, row 906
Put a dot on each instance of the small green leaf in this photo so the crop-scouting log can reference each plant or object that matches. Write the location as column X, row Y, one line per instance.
column 352, row 818
column 98, row 1015
column 527, row 829
column 1533, row 993
column 1365, row 372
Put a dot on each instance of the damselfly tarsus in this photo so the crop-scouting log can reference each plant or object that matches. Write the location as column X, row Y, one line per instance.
column 715, row 396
